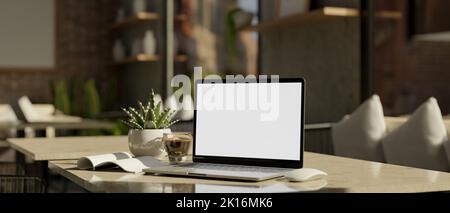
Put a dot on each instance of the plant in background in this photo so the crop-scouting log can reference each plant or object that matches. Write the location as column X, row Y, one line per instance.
column 109, row 95
column 205, row 73
column 91, row 99
column 82, row 98
column 149, row 116
column 235, row 19
column 231, row 32
column 61, row 97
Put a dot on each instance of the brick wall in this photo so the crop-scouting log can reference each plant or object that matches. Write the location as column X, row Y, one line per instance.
column 82, row 51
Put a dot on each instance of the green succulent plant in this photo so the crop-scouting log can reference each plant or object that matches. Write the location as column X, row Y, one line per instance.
column 149, row 116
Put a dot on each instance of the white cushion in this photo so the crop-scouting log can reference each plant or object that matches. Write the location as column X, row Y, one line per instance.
column 358, row 135
column 41, row 113
column 419, row 141
column 7, row 113
column 29, row 112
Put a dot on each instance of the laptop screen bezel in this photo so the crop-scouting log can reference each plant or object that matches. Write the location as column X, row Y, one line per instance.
column 253, row 161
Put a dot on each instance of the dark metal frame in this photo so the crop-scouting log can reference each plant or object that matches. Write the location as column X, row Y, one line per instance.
column 411, row 23
column 21, row 184
column 367, row 15
column 260, row 43
column 254, row 161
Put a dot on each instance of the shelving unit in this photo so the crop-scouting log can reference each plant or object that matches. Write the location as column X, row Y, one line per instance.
column 137, row 59
column 316, row 16
column 433, row 37
column 142, row 58
column 141, row 17
column 137, row 74
column 181, row 58
column 180, row 17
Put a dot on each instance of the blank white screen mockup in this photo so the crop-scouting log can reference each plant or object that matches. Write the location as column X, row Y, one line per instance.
column 228, row 125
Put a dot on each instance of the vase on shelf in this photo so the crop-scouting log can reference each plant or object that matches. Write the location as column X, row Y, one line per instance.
column 188, row 108
column 184, row 110
column 149, row 43
column 139, row 6
column 120, row 16
column 118, row 50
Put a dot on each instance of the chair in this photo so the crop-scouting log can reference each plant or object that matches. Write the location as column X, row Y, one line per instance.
column 318, row 138
column 21, row 184
column 10, row 182
column 7, row 115
column 42, row 112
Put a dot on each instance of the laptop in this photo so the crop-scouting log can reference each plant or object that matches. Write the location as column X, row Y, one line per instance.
column 246, row 130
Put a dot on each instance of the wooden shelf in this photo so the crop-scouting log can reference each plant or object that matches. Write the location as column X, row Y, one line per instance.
column 141, row 17
column 181, row 58
column 180, row 17
column 137, row 59
column 146, row 58
column 316, row 16
column 433, row 37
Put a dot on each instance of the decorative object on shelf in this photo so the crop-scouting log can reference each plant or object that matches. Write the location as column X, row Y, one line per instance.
column 120, row 16
column 187, row 113
column 149, row 43
column 185, row 110
column 139, row 6
column 147, row 126
column 242, row 19
column 291, row 7
column 136, row 47
column 118, row 50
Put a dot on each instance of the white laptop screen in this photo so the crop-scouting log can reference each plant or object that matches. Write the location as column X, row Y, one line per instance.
column 249, row 120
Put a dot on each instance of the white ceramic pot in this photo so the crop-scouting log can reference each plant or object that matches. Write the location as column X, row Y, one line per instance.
column 139, row 6
column 147, row 142
column 149, row 45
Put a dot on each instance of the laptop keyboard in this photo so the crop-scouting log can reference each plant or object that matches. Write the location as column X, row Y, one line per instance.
column 234, row 168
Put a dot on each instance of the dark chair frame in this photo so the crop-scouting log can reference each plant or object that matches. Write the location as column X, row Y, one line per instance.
column 21, row 184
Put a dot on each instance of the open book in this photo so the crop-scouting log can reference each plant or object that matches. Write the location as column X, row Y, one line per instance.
column 123, row 160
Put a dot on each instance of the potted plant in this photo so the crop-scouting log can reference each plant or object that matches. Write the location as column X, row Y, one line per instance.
column 147, row 127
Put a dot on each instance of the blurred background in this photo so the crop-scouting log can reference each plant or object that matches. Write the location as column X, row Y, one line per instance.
column 71, row 53
column 84, row 59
